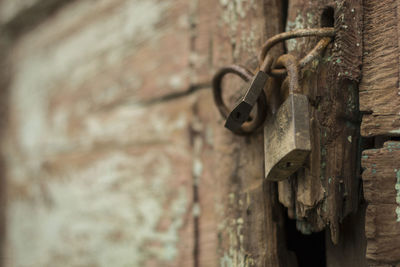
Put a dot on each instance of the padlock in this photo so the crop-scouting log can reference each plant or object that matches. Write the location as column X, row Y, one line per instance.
column 235, row 120
column 287, row 131
column 241, row 112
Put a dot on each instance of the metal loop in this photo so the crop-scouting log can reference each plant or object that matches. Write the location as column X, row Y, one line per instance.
column 246, row 75
column 289, row 62
column 266, row 65
column 321, row 32
column 314, row 53
column 285, row 65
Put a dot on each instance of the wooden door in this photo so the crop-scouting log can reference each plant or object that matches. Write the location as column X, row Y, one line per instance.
column 315, row 217
column 111, row 111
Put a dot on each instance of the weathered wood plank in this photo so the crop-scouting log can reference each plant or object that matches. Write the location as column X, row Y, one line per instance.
column 381, row 125
column 99, row 174
column 4, row 113
column 327, row 190
column 381, row 178
column 248, row 217
column 350, row 251
column 379, row 88
column 380, row 100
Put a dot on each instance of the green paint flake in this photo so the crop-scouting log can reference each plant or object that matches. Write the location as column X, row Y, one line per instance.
column 310, row 18
column 338, row 61
column 298, row 23
column 397, row 187
column 395, row 145
column 327, row 59
column 398, row 214
column 324, row 205
column 226, row 261
column 304, row 227
column 231, row 198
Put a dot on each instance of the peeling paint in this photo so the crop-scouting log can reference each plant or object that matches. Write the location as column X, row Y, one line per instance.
column 196, row 210
column 397, row 187
column 100, row 192
column 76, row 58
column 396, row 131
column 87, row 186
column 304, row 227
column 310, row 18
column 233, row 11
column 235, row 256
column 298, row 23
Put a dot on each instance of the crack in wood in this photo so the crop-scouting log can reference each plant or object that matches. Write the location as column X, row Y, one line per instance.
column 176, row 95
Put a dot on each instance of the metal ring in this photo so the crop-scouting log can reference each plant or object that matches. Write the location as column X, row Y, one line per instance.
column 320, row 32
column 314, row 53
column 246, row 75
column 289, row 62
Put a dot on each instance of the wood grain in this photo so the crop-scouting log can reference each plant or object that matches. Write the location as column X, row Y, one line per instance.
column 113, row 179
column 381, row 178
column 379, row 87
column 380, row 103
column 327, row 190
column 241, row 209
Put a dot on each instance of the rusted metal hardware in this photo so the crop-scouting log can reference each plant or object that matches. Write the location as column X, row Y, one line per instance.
column 320, row 32
column 287, row 133
column 241, row 112
column 313, row 54
column 246, row 127
column 238, row 120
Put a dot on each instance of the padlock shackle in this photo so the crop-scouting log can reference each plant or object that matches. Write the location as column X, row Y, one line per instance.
column 290, row 63
column 320, row 32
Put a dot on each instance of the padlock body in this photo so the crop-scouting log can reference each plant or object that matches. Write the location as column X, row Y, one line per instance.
column 287, row 138
column 242, row 111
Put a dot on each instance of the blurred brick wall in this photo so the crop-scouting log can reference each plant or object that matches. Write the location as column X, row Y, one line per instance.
column 99, row 166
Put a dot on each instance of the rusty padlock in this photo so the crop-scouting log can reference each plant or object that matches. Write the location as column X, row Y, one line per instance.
column 287, row 131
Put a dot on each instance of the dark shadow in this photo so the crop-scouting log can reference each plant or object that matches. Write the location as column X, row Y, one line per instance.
column 309, row 249
column 328, row 17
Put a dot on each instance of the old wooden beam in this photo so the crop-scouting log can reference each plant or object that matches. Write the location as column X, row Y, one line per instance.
column 379, row 87
column 249, row 221
column 327, row 190
column 381, row 178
